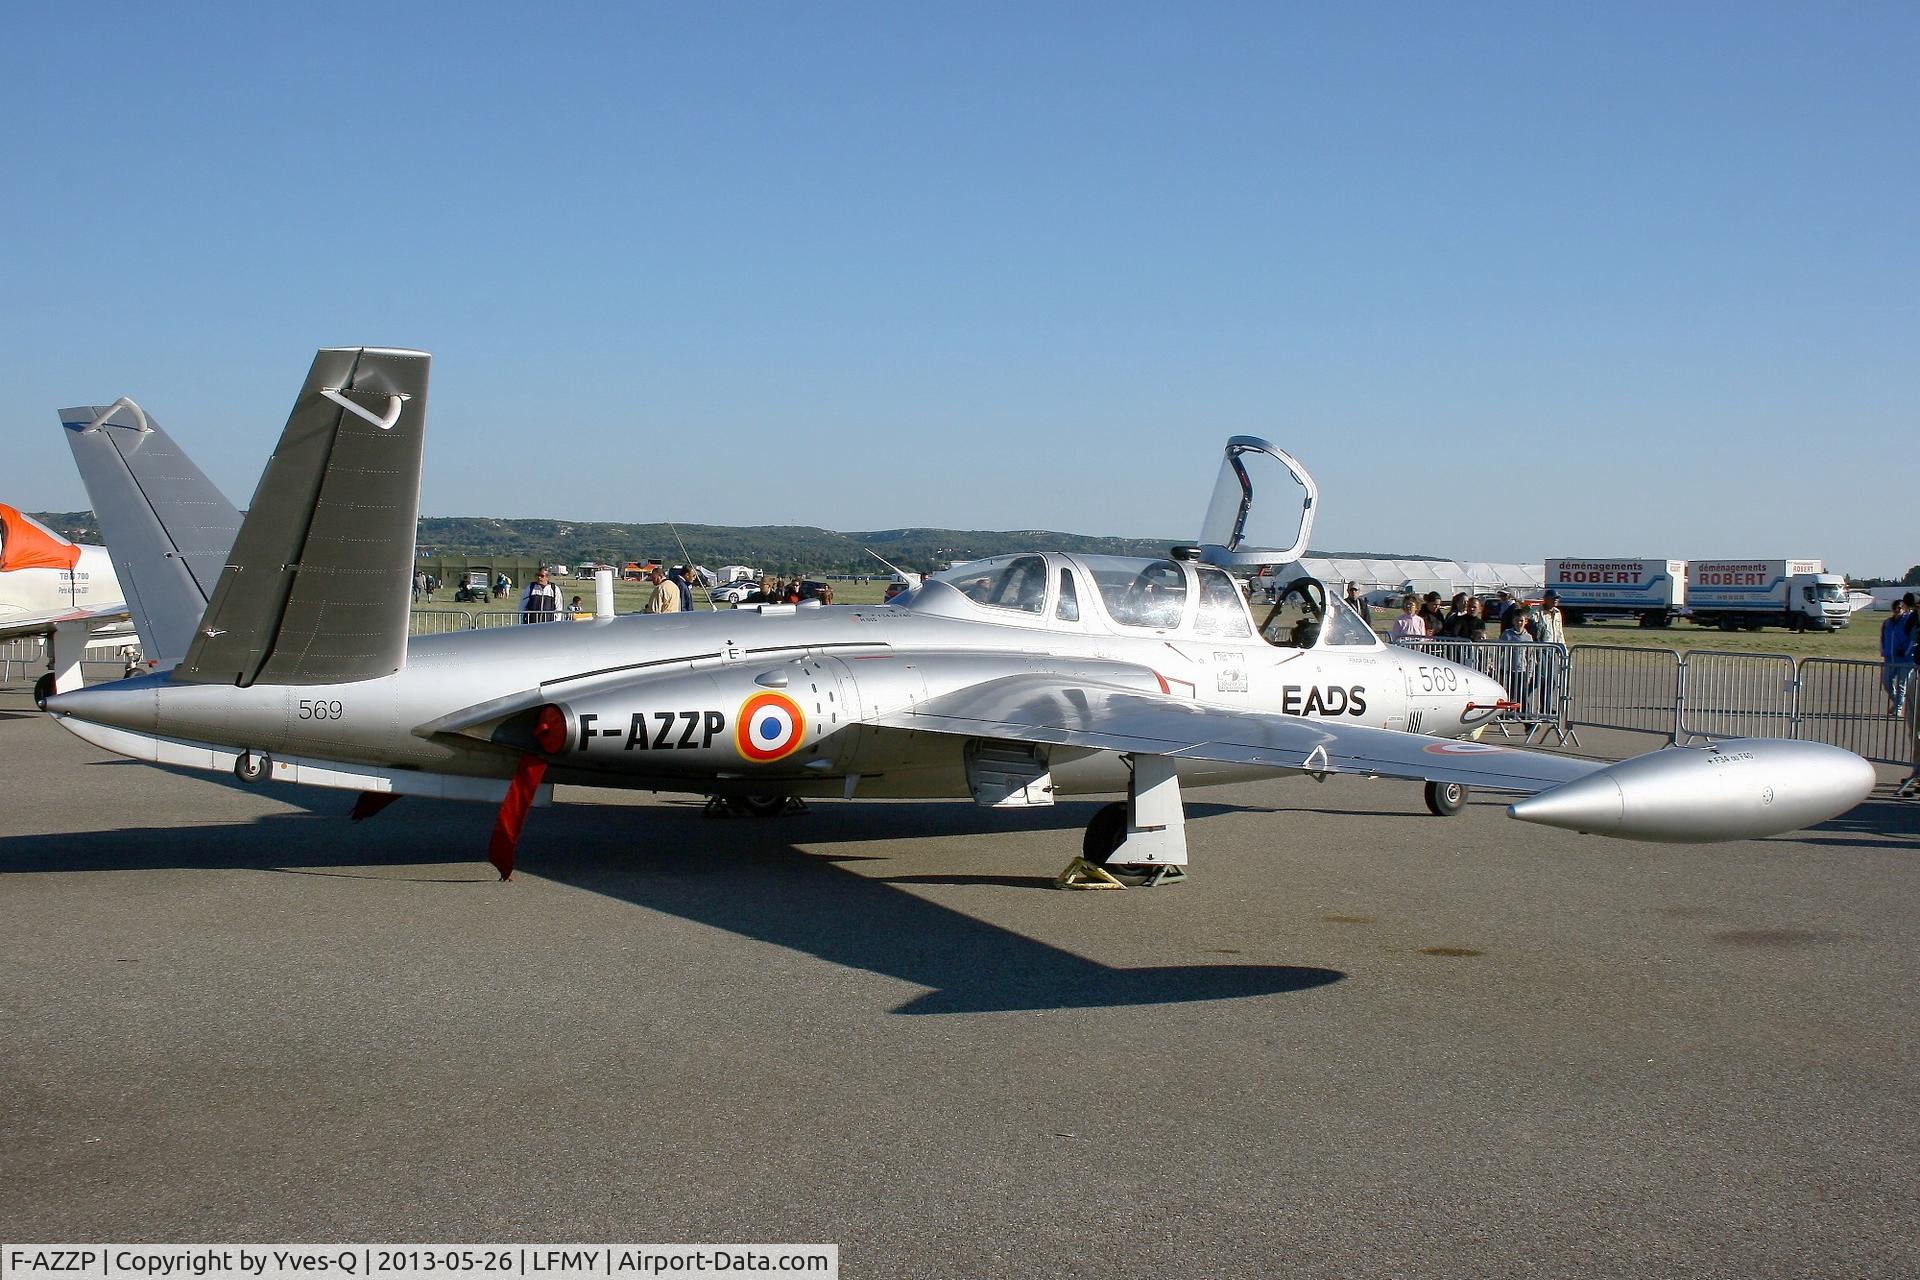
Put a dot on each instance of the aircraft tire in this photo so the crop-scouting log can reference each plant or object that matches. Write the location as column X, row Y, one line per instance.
column 252, row 767
column 42, row 690
column 1104, row 833
column 1444, row 799
column 762, row 806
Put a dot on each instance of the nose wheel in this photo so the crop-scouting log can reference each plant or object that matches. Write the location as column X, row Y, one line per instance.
column 1444, row 799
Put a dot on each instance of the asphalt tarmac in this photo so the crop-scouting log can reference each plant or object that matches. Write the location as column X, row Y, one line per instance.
column 1360, row 1041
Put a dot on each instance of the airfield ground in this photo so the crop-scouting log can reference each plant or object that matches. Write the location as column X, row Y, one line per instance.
column 1361, row 1041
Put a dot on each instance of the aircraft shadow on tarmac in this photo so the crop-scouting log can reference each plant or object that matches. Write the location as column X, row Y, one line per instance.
column 745, row 876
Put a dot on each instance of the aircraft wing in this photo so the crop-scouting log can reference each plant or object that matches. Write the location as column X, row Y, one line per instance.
column 39, row 624
column 1078, row 713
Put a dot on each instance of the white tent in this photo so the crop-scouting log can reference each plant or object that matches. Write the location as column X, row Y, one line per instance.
column 1444, row 576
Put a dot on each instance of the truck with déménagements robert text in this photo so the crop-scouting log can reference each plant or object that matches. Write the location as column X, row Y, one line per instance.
column 1749, row 594
column 1654, row 591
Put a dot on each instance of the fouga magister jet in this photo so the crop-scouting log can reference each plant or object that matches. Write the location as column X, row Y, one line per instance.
column 1012, row 681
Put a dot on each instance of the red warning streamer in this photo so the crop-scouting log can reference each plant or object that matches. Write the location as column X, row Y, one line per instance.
column 513, row 813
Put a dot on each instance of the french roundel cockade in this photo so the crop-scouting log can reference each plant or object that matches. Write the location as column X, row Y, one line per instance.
column 770, row 727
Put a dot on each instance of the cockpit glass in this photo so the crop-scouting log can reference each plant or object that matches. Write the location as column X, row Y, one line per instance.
column 1294, row 622
column 1068, row 610
column 1305, row 617
column 1018, row 582
column 1137, row 593
column 1222, row 611
column 1347, row 627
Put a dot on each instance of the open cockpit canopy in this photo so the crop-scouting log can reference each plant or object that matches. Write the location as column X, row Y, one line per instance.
column 1262, row 507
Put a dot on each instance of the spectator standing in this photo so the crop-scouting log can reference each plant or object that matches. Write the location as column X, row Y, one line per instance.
column 1456, row 614
column 1430, row 612
column 1409, row 626
column 1548, row 625
column 419, row 584
column 666, row 596
column 1897, row 653
column 1359, row 603
column 1472, row 625
column 1502, row 606
column 540, row 602
column 1516, row 666
column 684, row 581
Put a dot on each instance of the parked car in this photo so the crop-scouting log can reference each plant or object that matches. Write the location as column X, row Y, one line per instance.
column 733, row 592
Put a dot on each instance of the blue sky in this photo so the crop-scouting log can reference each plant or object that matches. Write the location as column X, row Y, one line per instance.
column 1513, row 281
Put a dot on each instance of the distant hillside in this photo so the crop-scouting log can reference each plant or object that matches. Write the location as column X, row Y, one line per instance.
column 774, row 548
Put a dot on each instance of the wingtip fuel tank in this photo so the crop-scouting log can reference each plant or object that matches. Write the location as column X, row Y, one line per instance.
column 1735, row 789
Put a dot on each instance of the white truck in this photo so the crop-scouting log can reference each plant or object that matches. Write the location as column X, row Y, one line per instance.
column 1797, row 594
column 1654, row 591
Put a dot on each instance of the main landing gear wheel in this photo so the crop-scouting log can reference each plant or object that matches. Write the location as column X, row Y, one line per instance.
column 753, row 806
column 251, row 767
column 1095, row 869
column 1104, row 833
column 42, row 690
column 762, row 806
column 1444, row 799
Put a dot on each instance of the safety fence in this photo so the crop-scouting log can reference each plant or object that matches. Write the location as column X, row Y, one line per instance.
column 25, row 658
column 1624, row 688
column 1707, row 694
column 434, row 622
column 1853, row 705
column 1736, row 695
column 1703, row 694
column 1534, row 676
column 19, row 658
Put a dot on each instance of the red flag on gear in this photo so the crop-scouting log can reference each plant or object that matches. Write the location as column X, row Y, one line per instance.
column 513, row 813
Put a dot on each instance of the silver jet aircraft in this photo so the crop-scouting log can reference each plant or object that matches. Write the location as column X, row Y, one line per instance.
column 1013, row 681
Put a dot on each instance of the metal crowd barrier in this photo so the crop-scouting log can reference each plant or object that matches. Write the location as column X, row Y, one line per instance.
column 1534, row 675
column 1620, row 687
column 1708, row 694
column 21, row 658
column 435, row 622
column 1847, row 702
column 1736, row 695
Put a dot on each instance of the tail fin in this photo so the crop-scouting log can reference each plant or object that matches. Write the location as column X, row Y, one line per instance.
column 317, row 588
column 167, row 528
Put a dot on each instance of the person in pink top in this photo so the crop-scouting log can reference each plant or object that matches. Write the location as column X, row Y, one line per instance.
column 1409, row 625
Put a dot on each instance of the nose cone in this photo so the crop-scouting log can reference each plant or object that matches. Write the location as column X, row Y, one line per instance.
column 1591, row 804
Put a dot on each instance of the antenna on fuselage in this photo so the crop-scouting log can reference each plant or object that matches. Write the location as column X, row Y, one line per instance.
column 688, row 561
column 890, row 564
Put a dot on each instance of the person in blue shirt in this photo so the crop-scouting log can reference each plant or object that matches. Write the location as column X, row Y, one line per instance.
column 1896, row 652
column 683, row 578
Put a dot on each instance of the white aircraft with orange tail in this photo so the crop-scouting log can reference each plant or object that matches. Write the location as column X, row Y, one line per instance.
column 63, row 591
